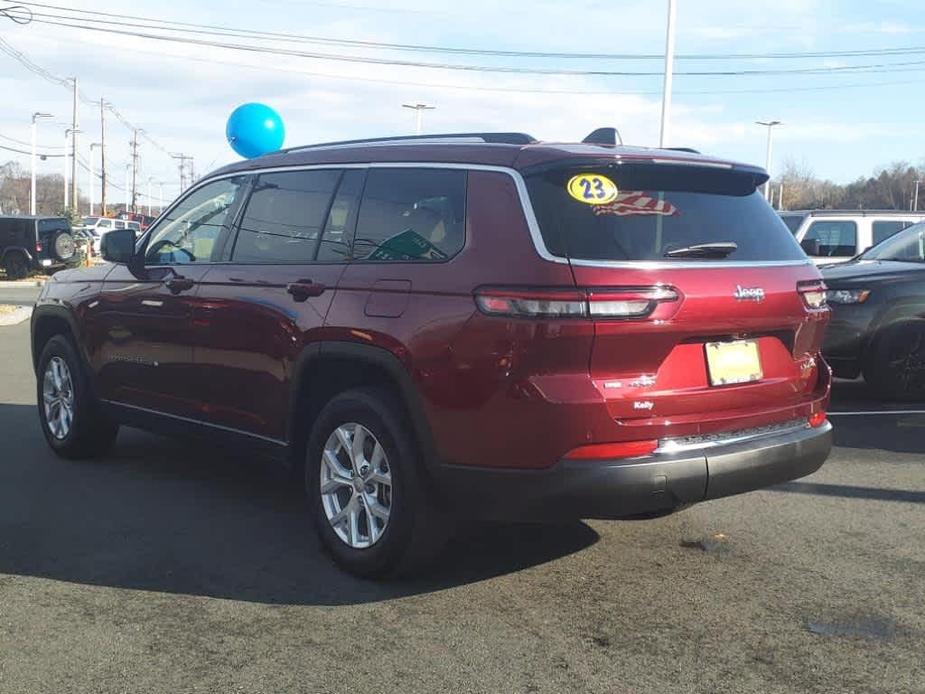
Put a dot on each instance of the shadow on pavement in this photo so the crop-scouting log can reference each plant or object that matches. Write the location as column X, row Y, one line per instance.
column 174, row 516
column 852, row 492
column 899, row 433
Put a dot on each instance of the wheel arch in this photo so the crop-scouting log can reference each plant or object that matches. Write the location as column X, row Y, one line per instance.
column 48, row 321
column 326, row 368
column 16, row 249
column 899, row 311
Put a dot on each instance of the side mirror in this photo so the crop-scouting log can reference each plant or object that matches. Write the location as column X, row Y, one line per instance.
column 118, row 246
column 810, row 246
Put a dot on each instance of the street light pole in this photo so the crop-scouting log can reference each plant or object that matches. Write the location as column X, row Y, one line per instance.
column 915, row 198
column 669, row 73
column 767, row 165
column 419, row 109
column 70, row 132
column 35, row 117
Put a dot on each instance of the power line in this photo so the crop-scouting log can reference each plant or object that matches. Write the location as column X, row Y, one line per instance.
column 40, row 154
column 219, row 30
column 516, row 90
column 843, row 69
column 29, row 144
column 35, row 68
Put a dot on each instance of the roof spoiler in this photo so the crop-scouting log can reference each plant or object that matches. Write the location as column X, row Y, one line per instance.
column 604, row 136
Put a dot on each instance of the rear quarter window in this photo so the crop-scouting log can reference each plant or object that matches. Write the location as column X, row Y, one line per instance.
column 885, row 228
column 659, row 209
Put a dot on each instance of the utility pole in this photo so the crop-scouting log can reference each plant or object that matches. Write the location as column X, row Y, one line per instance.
column 664, row 131
column 67, row 202
column 128, row 186
column 419, row 111
column 74, row 130
column 915, row 198
column 67, row 165
column 92, row 145
column 183, row 158
column 767, row 166
column 102, row 158
column 160, row 198
column 148, row 196
column 135, row 170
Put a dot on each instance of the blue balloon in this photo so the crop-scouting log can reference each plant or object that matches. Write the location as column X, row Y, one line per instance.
column 254, row 130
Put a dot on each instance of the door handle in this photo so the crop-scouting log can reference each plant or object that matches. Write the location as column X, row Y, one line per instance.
column 303, row 289
column 179, row 284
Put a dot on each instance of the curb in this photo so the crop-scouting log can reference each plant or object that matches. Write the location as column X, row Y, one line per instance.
column 23, row 283
column 21, row 314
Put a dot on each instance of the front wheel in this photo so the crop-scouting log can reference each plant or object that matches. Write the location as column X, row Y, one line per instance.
column 70, row 417
column 371, row 509
column 895, row 364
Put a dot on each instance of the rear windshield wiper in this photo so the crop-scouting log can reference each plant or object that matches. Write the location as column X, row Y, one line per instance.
column 719, row 249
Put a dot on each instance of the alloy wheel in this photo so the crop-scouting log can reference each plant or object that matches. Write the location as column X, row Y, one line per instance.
column 58, row 397
column 356, row 485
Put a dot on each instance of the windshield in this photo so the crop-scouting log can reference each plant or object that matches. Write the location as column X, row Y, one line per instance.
column 657, row 213
column 908, row 245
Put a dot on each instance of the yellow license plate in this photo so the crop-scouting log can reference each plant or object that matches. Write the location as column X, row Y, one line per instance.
column 733, row 362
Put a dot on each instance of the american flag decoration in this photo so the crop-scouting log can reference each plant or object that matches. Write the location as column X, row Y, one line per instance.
column 635, row 202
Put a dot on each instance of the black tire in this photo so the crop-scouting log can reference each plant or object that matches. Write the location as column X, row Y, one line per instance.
column 416, row 530
column 90, row 433
column 16, row 265
column 894, row 366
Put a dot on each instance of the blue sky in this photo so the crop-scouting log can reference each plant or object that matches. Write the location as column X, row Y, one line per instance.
column 839, row 125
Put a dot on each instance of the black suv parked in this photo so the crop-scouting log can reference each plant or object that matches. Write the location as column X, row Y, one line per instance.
column 35, row 243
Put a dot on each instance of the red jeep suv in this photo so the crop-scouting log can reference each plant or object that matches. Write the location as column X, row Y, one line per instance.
column 441, row 327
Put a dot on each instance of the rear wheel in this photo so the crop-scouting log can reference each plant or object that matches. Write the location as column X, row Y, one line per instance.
column 370, row 507
column 70, row 417
column 895, row 364
column 16, row 265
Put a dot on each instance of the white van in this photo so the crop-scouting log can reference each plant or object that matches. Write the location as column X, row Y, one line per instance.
column 834, row 236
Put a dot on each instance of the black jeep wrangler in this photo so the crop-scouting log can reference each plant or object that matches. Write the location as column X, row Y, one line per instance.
column 36, row 244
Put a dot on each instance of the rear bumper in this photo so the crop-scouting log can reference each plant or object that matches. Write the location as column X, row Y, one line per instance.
column 659, row 483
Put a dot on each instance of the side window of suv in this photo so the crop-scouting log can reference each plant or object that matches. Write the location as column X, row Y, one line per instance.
column 411, row 215
column 284, row 216
column 836, row 237
column 189, row 233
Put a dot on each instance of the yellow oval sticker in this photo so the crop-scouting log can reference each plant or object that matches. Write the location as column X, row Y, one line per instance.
column 592, row 189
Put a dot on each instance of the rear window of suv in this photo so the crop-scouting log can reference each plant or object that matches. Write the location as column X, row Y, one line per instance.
column 657, row 209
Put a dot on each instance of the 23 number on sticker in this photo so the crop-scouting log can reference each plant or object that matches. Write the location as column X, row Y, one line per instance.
column 592, row 189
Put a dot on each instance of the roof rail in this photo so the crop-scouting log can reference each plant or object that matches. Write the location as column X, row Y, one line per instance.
column 492, row 138
column 684, row 149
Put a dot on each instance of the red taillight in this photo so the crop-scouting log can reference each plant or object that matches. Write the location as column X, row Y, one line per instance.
column 813, row 293
column 38, row 246
column 817, row 420
column 609, row 302
column 608, row 451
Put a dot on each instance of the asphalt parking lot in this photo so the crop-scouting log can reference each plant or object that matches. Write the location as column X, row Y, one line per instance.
column 174, row 568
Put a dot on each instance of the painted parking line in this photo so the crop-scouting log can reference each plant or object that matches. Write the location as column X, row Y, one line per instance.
column 867, row 412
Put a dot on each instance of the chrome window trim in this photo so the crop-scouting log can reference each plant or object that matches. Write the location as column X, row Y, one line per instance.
column 526, row 205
